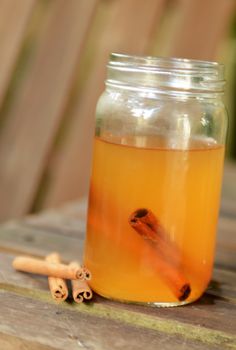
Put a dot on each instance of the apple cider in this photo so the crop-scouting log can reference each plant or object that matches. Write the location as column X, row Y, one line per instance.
column 182, row 188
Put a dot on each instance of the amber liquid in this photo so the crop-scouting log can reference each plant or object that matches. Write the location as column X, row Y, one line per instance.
column 181, row 187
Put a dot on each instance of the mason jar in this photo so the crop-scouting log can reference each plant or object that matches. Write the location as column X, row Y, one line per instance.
column 156, row 179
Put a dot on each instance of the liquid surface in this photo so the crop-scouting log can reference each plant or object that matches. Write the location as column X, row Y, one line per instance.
column 182, row 189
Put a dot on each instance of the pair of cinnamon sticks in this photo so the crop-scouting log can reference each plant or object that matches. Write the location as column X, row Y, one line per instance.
column 57, row 274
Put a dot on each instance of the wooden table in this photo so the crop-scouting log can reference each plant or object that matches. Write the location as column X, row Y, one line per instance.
column 30, row 319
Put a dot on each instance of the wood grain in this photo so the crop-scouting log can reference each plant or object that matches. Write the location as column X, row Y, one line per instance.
column 10, row 342
column 33, row 241
column 208, row 323
column 228, row 202
column 14, row 16
column 129, row 28
column 31, row 293
column 69, row 219
column 201, row 28
column 222, row 289
column 195, row 314
column 73, row 327
column 34, row 118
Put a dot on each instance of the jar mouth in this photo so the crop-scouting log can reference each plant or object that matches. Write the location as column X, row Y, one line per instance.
column 174, row 74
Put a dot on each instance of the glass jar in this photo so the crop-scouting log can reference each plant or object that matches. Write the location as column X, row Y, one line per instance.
column 156, row 179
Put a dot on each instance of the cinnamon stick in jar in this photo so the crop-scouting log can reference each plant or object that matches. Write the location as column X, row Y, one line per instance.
column 149, row 227
column 57, row 286
column 145, row 223
column 80, row 288
column 42, row 267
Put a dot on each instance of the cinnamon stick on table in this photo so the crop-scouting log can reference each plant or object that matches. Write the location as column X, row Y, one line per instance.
column 167, row 254
column 80, row 288
column 57, row 286
column 42, row 267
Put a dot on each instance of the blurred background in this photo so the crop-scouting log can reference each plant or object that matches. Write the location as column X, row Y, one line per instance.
column 53, row 63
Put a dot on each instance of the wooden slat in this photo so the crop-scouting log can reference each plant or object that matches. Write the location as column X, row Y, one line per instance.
column 10, row 277
column 34, row 117
column 223, row 287
column 226, row 243
column 68, row 220
column 208, row 323
column 229, row 182
column 10, row 342
column 128, row 29
column 228, row 207
column 201, row 27
column 39, row 242
column 39, row 238
column 223, row 284
column 76, row 327
column 228, row 202
column 14, row 17
column 182, row 326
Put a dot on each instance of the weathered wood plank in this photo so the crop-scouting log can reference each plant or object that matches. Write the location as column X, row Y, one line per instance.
column 198, row 19
column 205, row 316
column 129, row 28
column 228, row 207
column 10, row 277
column 10, row 342
column 226, row 243
column 223, row 285
column 207, row 324
column 103, row 323
column 14, row 16
column 228, row 203
column 33, row 241
column 40, row 104
column 221, row 298
column 89, row 327
column 68, row 220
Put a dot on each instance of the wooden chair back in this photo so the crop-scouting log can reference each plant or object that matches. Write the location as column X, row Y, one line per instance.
column 53, row 57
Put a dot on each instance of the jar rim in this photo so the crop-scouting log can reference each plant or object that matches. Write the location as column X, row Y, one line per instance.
column 156, row 62
column 168, row 73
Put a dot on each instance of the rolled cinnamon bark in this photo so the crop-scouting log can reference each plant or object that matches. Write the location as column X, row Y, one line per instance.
column 167, row 254
column 147, row 225
column 42, row 267
column 80, row 288
column 57, row 286
column 87, row 273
